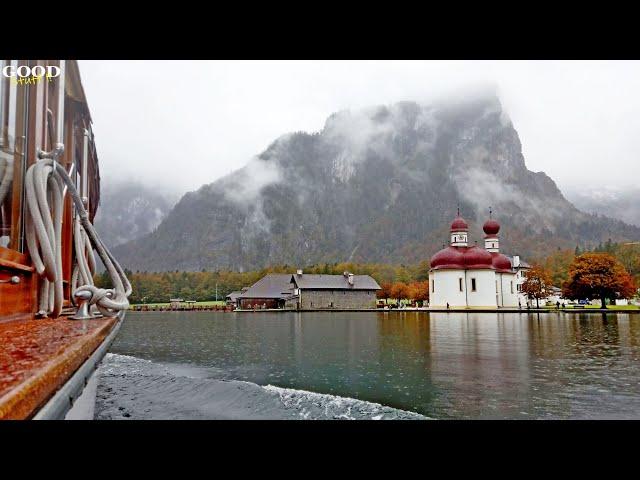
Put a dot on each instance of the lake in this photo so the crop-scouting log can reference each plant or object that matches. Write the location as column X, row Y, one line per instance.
column 373, row 365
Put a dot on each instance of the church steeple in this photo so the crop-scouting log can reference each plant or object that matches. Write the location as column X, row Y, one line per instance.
column 459, row 232
column 491, row 229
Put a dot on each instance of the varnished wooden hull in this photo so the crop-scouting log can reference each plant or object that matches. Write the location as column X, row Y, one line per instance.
column 39, row 356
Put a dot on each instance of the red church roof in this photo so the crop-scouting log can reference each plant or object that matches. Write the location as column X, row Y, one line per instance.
column 462, row 258
column 467, row 258
column 501, row 263
column 450, row 257
column 459, row 225
column 491, row 227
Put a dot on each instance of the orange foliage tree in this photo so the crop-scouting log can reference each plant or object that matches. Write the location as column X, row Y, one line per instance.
column 419, row 291
column 399, row 290
column 598, row 275
column 537, row 284
column 385, row 292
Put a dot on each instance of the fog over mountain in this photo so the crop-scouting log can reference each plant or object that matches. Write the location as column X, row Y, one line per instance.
column 573, row 117
column 613, row 201
column 129, row 210
column 379, row 184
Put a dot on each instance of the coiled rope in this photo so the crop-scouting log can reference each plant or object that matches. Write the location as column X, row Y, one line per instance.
column 6, row 174
column 44, row 182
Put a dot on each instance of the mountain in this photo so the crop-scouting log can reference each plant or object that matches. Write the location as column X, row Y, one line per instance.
column 128, row 210
column 377, row 185
column 621, row 203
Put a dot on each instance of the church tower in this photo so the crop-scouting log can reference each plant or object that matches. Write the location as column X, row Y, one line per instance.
column 491, row 240
column 459, row 232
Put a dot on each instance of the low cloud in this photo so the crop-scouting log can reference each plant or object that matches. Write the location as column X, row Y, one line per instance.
column 245, row 185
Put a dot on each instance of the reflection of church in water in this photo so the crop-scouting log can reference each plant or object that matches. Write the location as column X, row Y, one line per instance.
column 473, row 277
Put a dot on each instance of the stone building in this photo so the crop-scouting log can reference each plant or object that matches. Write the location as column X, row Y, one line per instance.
column 346, row 291
column 303, row 291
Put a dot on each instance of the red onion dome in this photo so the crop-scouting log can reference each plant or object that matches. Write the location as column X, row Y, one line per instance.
column 459, row 225
column 491, row 227
column 501, row 263
column 476, row 257
column 449, row 257
column 462, row 258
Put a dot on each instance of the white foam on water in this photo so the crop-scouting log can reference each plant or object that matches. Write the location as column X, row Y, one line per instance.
column 131, row 387
column 326, row 406
column 117, row 358
column 116, row 364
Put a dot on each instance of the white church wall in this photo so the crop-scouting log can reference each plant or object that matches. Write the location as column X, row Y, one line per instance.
column 485, row 291
column 447, row 289
column 508, row 291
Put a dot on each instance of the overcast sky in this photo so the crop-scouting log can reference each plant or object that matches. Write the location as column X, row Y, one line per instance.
column 180, row 124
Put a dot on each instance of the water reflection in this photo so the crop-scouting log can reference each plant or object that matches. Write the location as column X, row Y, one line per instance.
column 444, row 365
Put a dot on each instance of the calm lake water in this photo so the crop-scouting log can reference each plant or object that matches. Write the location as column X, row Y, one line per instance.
column 440, row 365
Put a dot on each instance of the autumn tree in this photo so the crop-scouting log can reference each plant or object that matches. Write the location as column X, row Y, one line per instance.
column 598, row 275
column 537, row 284
column 385, row 292
column 419, row 291
column 399, row 290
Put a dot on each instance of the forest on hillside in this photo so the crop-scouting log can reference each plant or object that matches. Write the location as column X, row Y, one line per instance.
column 155, row 287
column 378, row 185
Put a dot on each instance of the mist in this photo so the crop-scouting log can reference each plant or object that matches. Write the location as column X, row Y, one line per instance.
column 177, row 125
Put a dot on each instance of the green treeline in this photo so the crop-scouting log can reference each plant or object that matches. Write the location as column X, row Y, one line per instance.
column 558, row 262
column 156, row 287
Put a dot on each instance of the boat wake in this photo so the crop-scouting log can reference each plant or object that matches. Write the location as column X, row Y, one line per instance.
column 133, row 388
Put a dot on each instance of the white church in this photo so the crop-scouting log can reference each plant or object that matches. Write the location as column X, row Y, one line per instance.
column 472, row 277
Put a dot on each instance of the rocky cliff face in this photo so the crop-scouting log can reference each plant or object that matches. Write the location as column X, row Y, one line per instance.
column 378, row 185
column 128, row 211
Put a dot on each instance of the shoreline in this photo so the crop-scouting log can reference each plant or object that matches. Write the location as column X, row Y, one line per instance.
column 404, row 310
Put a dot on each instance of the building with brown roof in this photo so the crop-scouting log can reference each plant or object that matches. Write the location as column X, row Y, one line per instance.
column 304, row 291
column 273, row 291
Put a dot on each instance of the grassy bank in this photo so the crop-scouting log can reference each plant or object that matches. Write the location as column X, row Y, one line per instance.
column 211, row 303
column 597, row 306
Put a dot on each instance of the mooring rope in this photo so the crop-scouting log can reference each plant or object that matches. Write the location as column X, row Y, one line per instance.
column 44, row 182
column 6, row 174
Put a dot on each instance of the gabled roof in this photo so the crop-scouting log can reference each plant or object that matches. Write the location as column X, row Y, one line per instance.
column 523, row 264
column 272, row 285
column 333, row 282
column 233, row 295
